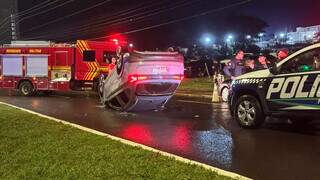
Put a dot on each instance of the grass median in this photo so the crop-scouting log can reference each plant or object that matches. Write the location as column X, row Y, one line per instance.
column 32, row 147
column 201, row 85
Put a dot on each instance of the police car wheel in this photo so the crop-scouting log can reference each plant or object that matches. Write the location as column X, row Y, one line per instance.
column 248, row 112
column 225, row 94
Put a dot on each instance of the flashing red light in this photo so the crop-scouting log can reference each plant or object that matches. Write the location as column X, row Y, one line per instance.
column 115, row 40
column 0, row 77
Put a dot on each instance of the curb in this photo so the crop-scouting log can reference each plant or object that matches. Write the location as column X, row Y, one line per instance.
column 194, row 95
column 178, row 158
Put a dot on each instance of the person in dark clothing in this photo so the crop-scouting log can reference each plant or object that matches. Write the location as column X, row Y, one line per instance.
column 236, row 66
column 262, row 63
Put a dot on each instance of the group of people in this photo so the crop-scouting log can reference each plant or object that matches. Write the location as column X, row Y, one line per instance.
column 113, row 59
column 238, row 65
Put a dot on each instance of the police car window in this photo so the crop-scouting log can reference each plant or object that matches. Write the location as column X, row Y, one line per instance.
column 89, row 56
column 305, row 62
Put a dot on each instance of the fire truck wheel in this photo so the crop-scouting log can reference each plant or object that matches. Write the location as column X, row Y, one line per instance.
column 26, row 88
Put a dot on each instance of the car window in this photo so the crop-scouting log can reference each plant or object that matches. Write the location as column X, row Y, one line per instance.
column 306, row 62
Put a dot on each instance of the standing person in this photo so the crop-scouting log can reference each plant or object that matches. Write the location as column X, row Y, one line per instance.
column 262, row 63
column 250, row 65
column 112, row 64
column 282, row 54
column 236, row 67
column 316, row 62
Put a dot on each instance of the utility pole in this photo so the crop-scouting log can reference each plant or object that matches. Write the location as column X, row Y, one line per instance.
column 13, row 28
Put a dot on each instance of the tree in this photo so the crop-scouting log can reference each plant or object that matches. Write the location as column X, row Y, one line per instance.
column 244, row 25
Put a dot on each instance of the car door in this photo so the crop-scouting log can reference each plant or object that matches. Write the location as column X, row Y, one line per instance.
column 296, row 85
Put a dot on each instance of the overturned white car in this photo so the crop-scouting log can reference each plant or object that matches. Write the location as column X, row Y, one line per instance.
column 142, row 81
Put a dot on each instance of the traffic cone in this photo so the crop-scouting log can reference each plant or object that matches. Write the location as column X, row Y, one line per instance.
column 215, row 94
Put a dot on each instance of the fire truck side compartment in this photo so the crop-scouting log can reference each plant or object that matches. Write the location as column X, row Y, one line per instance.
column 49, row 66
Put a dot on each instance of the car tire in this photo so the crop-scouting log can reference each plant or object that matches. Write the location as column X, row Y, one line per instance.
column 120, row 64
column 248, row 112
column 225, row 94
column 26, row 88
column 100, row 87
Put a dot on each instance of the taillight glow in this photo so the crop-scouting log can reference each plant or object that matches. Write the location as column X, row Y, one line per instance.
column 180, row 77
column 134, row 78
column 0, row 77
column 140, row 78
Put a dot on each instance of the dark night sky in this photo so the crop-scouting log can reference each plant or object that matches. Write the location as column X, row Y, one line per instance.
column 279, row 14
column 285, row 13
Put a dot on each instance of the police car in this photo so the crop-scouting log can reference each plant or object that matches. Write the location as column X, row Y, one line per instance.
column 290, row 88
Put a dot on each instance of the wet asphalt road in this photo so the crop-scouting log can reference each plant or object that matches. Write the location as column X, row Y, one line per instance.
column 200, row 131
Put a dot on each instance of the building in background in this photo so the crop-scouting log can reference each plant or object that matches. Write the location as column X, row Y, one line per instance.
column 303, row 35
column 7, row 8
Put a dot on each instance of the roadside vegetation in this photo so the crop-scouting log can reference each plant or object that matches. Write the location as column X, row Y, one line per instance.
column 33, row 147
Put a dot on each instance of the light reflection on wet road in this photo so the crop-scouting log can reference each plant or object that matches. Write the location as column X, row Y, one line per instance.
column 202, row 132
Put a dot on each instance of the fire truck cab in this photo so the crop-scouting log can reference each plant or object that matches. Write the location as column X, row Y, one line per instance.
column 32, row 66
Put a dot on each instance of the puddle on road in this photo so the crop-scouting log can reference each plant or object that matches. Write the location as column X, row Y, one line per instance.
column 215, row 145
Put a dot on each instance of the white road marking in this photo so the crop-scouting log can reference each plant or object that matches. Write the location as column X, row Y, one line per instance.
column 178, row 158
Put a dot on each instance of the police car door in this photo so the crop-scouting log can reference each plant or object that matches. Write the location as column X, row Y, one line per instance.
column 296, row 85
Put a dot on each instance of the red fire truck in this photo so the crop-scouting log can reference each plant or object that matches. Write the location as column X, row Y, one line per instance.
column 32, row 66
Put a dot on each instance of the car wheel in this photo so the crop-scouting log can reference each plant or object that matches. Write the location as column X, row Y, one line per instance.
column 225, row 94
column 119, row 66
column 100, row 86
column 248, row 112
column 26, row 88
